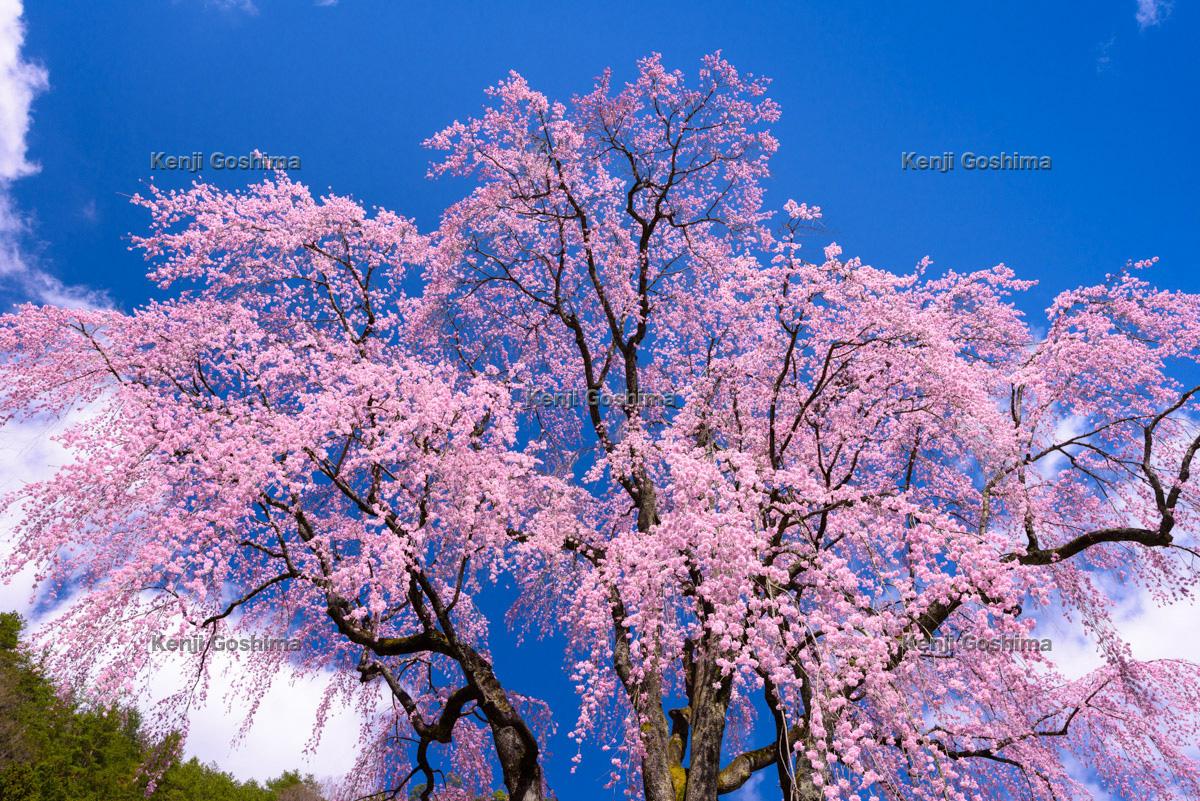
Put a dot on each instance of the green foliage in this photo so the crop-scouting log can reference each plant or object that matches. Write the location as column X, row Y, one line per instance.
column 10, row 630
column 56, row 749
column 193, row 781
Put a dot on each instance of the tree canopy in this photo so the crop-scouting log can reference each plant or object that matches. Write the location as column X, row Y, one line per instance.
column 326, row 430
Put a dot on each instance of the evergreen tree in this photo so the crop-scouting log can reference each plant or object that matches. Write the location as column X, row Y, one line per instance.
column 56, row 749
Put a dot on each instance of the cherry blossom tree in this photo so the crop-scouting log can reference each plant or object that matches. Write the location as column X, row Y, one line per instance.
column 753, row 491
column 275, row 447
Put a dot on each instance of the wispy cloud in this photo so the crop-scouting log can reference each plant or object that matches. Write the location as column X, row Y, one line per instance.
column 1152, row 12
column 1104, row 55
column 21, row 279
column 244, row 6
column 20, row 82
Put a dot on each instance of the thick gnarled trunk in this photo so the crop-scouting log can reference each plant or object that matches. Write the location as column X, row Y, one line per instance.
column 518, row 762
column 710, row 693
column 516, row 747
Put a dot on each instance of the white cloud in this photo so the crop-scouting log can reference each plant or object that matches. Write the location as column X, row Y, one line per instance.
column 1066, row 428
column 1152, row 12
column 282, row 727
column 1152, row 630
column 1159, row 632
column 27, row 454
column 20, row 82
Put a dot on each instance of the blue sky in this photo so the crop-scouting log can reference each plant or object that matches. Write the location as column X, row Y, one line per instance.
column 353, row 88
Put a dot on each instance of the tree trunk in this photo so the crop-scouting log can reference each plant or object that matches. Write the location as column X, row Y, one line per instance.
column 710, row 693
column 658, row 783
column 516, row 747
column 519, row 762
